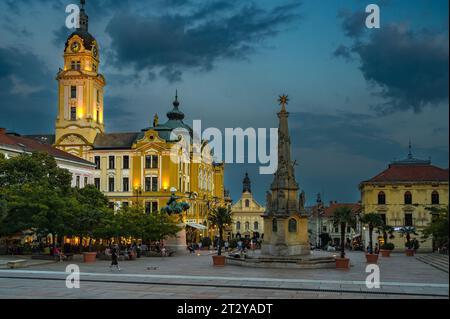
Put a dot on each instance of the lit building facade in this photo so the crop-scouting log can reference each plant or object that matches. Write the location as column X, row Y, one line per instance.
column 402, row 193
column 247, row 214
column 134, row 167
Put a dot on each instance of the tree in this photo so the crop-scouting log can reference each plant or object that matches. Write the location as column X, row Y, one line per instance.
column 372, row 220
column 220, row 217
column 34, row 193
column 343, row 216
column 89, row 211
column 438, row 228
column 159, row 226
column 407, row 231
column 387, row 232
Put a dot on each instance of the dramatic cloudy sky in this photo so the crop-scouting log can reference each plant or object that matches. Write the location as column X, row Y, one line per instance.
column 357, row 95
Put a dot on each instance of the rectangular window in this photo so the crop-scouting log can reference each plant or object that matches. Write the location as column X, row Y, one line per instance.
column 126, row 162
column 111, row 184
column 98, row 96
column 86, row 181
column 97, row 162
column 125, row 204
column 98, row 116
column 78, row 181
column 126, row 184
column 151, row 207
column 154, row 184
column 151, row 184
column 73, row 113
column 408, row 220
column 148, row 161
column 112, row 162
column 154, row 207
column 73, row 92
column 151, row 161
column 97, row 183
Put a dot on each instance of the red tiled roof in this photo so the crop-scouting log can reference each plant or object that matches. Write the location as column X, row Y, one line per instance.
column 31, row 145
column 329, row 211
column 411, row 173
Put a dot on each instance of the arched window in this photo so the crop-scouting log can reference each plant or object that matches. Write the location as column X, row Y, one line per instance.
column 381, row 198
column 247, row 203
column 255, row 225
column 435, row 198
column 292, row 225
column 274, row 225
column 247, row 226
column 408, row 198
column 238, row 225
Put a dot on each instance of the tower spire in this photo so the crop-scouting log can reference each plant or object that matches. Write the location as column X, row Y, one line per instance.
column 410, row 156
column 84, row 19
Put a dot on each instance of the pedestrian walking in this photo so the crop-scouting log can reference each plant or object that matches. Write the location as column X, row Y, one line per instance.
column 115, row 259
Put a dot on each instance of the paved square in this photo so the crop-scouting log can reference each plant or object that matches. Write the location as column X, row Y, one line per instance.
column 193, row 276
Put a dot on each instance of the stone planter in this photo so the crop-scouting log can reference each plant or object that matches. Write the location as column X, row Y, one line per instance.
column 371, row 258
column 410, row 252
column 89, row 257
column 385, row 252
column 342, row 263
column 218, row 261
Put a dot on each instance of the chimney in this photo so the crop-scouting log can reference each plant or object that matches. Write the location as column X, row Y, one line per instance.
column 2, row 131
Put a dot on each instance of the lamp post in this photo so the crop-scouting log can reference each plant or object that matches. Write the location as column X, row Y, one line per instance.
column 138, row 191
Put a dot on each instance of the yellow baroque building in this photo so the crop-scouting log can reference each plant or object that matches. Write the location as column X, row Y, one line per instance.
column 402, row 193
column 130, row 167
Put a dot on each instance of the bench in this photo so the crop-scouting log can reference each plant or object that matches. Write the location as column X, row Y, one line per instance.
column 16, row 263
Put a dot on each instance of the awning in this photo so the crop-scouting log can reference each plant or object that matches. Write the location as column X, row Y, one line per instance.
column 198, row 226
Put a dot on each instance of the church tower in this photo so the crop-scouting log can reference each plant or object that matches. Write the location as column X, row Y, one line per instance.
column 80, row 91
column 285, row 219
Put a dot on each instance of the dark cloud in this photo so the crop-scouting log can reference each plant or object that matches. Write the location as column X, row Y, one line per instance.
column 195, row 38
column 409, row 67
column 343, row 52
column 26, row 95
column 353, row 23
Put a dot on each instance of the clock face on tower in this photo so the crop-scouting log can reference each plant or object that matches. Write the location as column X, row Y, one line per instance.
column 75, row 47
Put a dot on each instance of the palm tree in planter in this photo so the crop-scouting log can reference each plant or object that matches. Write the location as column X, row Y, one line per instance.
column 342, row 217
column 220, row 217
column 387, row 232
column 372, row 220
column 410, row 245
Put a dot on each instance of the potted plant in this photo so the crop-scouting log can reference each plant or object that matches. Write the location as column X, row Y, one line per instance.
column 387, row 232
column 410, row 245
column 372, row 220
column 220, row 217
column 342, row 217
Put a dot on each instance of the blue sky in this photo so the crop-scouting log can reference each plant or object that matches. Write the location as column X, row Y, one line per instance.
column 357, row 95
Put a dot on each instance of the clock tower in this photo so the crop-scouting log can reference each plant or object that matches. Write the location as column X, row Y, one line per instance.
column 80, row 92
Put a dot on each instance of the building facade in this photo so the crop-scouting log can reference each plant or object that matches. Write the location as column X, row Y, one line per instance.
column 247, row 214
column 82, row 171
column 402, row 193
column 135, row 167
column 321, row 225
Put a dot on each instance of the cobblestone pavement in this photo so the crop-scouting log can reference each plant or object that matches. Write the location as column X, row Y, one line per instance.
column 193, row 276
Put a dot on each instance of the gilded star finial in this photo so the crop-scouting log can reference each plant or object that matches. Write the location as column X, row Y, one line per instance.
column 283, row 100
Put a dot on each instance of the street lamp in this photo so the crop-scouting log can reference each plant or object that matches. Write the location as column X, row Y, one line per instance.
column 138, row 191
